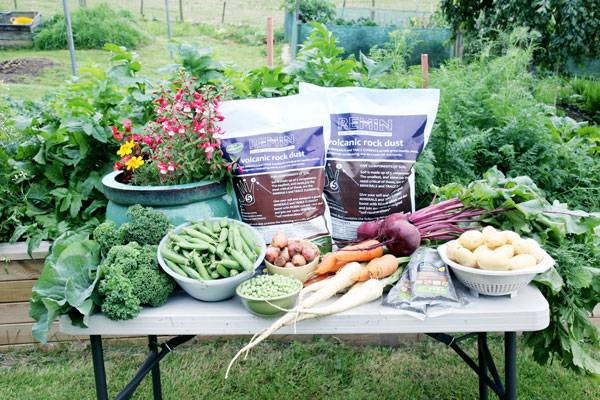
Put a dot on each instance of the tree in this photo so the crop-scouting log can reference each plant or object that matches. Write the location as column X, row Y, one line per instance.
column 567, row 29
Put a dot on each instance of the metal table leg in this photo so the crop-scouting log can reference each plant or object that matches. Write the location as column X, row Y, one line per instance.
column 156, row 386
column 510, row 365
column 99, row 372
column 483, row 369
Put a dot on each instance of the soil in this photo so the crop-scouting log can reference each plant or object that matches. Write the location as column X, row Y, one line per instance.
column 18, row 69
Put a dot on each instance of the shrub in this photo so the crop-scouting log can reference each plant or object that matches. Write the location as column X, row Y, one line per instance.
column 93, row 27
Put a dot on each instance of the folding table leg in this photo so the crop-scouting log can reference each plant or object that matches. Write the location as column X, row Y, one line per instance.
column 483, row 370
column 156, row 385
column 510, row 365
column 99, row 372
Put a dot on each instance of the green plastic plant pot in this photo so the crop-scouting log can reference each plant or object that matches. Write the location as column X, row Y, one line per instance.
column 202, row 199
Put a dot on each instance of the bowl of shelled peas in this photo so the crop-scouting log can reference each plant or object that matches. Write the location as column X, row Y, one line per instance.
column 211, row 257
column 269, row 295
column 294, row 258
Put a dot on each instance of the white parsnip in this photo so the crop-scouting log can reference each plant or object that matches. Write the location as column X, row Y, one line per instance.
column 340, row 281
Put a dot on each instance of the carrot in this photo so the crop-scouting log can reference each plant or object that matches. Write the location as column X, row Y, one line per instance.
column 362, row 275
column 382, row 266
column 316, row 279
column 364, row 251
column 327, row 264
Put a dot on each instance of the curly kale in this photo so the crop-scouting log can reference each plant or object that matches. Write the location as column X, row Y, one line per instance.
column 146, row 225
column 123, row 257
column 120, row 302
column 108, row 235
column 130, row 277
column 151, row 285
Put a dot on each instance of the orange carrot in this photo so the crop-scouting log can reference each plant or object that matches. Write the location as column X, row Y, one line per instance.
column 382, row 267
column 327, row 264
column 362, row 275
column 358, row 253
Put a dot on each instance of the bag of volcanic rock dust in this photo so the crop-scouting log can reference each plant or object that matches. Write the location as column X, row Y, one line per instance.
column 375, row 137
column 279, row 145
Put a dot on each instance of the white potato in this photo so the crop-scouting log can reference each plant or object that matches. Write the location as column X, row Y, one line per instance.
column 493, row 260
column 451, row 249
column 536, row 249
column 522, row 261
column 465, row 257
column 521, row 246
column 506, row 250
column 481, row 249
column 493, row 238
column 511, row 236
column 471, row 239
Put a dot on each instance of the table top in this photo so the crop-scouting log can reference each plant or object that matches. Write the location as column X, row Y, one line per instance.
column 183, row 315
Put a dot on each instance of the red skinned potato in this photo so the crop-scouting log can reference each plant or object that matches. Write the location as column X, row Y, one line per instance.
column 298, row 260
column 272, row 253
column 279, row 240
column 280, row 261
column 285, row 254
column 295, row 247
column 310, row 252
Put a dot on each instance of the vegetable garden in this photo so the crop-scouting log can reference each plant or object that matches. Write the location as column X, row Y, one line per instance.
column 209, row 180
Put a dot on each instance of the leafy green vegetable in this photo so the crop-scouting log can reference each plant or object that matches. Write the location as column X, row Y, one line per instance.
column 146, row 225
column 66, row 284
column 130, row 277
column 572, row 237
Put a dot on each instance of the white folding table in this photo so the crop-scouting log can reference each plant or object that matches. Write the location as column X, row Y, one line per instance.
column 184, row 318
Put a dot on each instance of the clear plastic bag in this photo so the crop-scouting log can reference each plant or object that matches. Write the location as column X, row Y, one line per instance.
column 425, row 285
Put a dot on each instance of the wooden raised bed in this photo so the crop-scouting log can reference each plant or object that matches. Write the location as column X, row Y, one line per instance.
column 12, row 35
column 18, row 274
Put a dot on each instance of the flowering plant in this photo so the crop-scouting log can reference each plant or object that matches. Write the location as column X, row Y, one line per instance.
column 181, row 145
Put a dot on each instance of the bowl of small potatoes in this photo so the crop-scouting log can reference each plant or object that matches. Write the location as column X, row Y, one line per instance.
column 494, row 262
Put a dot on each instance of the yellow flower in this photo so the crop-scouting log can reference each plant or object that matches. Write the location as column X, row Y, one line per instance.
column 134, row 162
column 125, row 149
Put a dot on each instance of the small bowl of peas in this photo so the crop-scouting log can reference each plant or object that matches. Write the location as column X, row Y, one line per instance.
column 269, row 295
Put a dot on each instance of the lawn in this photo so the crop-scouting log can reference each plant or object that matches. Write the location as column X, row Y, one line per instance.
column 314, row 370
column 153, row 57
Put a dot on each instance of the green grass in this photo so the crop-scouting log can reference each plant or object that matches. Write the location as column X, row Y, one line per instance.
column 275, row 370
column 153, row 57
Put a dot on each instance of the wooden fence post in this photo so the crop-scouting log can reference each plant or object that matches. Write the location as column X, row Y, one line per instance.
column 425, row 70
column 70, row 38
column 181, row 10
column 168, row 16
column 270, row 41
column 142, row 8
column 295, row 30
column 223, row 13
column 15, row 5
column 372, row 10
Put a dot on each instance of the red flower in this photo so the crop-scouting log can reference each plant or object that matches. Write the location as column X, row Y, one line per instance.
column 127, row 125
column 116, row 134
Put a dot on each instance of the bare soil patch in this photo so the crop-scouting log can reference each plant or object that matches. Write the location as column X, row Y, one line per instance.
column 18, row 69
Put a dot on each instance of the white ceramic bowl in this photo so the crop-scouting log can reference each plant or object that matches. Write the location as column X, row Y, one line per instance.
column 495, row 283
column 216, row 289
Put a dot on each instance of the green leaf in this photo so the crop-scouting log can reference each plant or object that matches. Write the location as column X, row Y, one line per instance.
column 551, row 279
column 96, row 131
column 67, row 282
column 583, row 358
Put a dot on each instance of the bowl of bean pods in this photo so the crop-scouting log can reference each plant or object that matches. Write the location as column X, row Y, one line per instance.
column 269, row 295
column 209, row 258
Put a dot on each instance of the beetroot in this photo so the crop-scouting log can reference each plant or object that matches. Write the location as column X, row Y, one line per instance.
column 395, row 217
column 401, row 237
column 368, row 230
